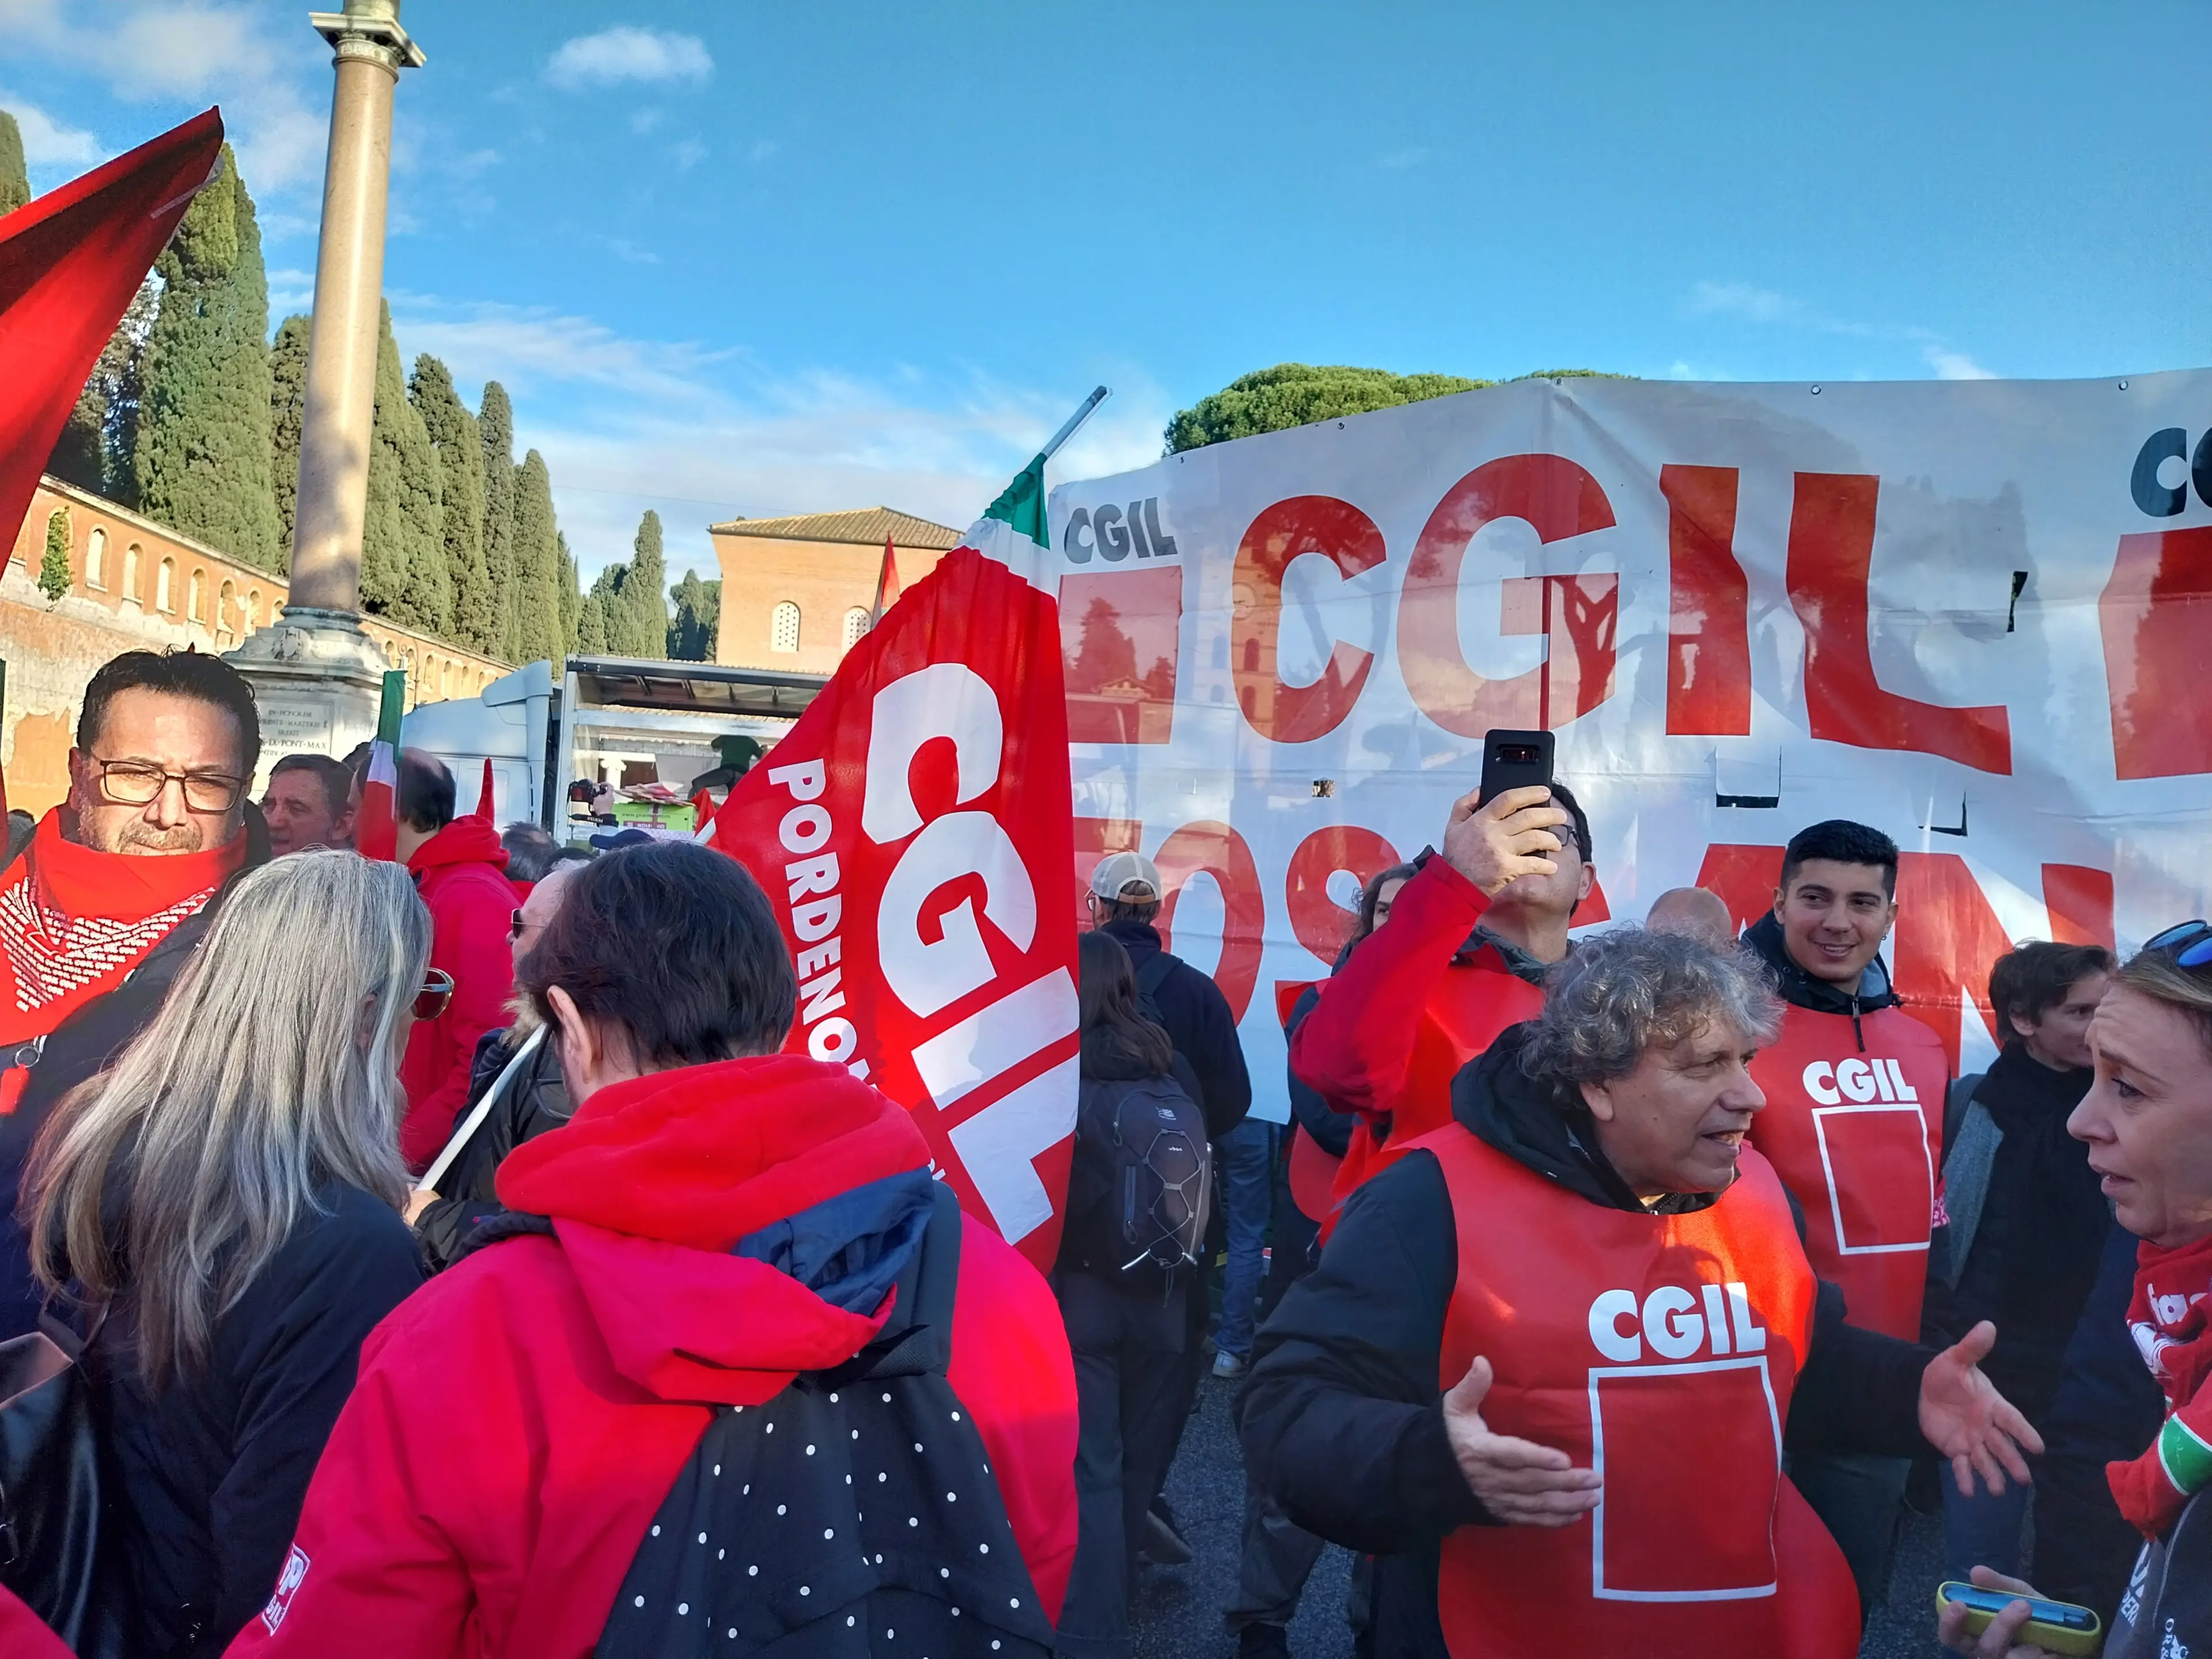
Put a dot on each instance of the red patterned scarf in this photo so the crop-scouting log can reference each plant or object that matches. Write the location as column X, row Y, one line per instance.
column 74, row 921
column 2171, row 1319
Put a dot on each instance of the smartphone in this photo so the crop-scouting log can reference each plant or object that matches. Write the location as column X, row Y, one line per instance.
column 1515, row 760
column 2058, row 1627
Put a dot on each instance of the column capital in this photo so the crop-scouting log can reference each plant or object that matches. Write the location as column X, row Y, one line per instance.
column 369, row 31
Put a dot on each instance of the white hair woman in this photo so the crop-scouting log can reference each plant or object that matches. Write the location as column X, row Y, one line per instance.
column 228, row 1192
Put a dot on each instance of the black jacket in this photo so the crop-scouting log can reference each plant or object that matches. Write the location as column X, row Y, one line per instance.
column 1801, row 990
column 1198, row 1021
column 208, row 1476
column 2023, row 1249
column 1342, row 1421
column 536, row 1100
column 80, row 1047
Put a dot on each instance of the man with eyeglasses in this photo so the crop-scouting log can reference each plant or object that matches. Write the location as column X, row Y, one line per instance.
column 117, row 886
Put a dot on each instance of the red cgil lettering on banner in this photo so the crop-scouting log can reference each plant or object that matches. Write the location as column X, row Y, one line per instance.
column 1558, row 499
column 2154, row 614
column 1708, row 606
column 1210, row 847
column 1119, row 631
column 1947, row 939
column 2080, row 900
column 1831, row 526
column 1580, row 615
column 1286, row 532
column 1744, row 877
column 1320, row 924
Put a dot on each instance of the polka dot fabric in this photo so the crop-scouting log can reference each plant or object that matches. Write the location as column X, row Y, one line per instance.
column 852, row 1515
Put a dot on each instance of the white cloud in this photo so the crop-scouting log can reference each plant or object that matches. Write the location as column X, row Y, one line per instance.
column 702, row 434
column 625, row 54
column 47, row 142
column 687, row 154
column 1954, row 365
column 645, row 120
column 762, row 149
column 1758, row 304
column 274, row 88
column 631, row 254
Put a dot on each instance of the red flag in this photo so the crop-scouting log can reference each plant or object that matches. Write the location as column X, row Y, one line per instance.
column 69, row 263
column 914, row 834
column 887, row 584
column 703, row 815
column 486, row 808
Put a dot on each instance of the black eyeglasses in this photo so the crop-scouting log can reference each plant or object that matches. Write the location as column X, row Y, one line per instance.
column 2189, row 941
column 514, row 926
column 137, row 783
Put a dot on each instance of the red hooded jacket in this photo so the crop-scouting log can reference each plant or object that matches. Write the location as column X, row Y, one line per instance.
column 1409, row 1007
column 459, row 871
column 518, row 1421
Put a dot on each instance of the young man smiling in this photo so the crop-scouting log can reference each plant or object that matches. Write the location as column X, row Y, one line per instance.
column 1853, row 1125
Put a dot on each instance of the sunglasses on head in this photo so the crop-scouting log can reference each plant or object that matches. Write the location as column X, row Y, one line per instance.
column 2190, row 942
column 437, row 991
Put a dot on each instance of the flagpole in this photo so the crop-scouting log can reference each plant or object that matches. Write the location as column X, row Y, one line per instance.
column 1067, row 430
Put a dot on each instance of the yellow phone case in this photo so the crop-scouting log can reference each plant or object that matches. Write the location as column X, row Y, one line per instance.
column 2053, row 1638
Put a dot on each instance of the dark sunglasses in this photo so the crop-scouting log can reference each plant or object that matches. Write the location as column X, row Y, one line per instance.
column 514, row 926
column 2190, row 942
column 437, row 991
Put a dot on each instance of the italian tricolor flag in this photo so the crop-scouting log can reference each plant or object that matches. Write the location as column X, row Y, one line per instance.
column 1012, row 532
column 376, row 825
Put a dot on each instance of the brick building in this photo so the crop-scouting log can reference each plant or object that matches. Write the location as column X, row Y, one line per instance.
column 135, row 584
column 797, row 591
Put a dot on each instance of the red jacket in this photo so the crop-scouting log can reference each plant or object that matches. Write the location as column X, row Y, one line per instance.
column 1409, row 1007
column 519, row 1420
column 458, row 873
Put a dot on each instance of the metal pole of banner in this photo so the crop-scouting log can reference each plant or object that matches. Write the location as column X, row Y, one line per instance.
column 1067, row 430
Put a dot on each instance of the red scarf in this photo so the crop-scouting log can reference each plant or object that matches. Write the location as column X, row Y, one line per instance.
column 2171, row 1319
column 74, row 923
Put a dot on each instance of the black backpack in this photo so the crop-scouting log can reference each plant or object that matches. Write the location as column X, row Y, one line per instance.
column 1150, row 1136
column 1150, row 977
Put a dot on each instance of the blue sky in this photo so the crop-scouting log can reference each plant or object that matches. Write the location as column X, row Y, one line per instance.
column 762, row 259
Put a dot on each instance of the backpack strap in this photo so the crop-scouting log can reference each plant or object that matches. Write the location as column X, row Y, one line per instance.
column 1154, row 973
column 1960, row 1096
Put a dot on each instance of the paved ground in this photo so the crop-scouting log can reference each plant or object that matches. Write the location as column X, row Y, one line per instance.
column 1178, row 1613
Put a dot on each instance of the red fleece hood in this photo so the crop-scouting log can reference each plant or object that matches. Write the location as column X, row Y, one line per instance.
column 464, row 841
column 653, row 1180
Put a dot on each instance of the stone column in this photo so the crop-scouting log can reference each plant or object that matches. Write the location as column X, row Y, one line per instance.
column 316, row 675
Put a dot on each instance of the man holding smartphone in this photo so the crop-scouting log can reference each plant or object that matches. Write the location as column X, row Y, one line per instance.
column 1455, row 968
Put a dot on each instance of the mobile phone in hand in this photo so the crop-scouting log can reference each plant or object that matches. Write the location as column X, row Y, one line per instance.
column 1515, row 760
column 2056, row 1627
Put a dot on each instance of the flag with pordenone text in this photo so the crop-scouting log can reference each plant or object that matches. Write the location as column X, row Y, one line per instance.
column 913, row 832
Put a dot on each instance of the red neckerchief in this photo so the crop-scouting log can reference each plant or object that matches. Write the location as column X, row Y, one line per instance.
column 2171, row 1319
column 74, row 923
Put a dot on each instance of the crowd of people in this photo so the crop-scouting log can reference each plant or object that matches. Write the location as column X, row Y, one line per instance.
column 445, row 1258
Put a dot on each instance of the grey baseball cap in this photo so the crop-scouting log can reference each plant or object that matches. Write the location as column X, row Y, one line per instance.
column 1130, row 877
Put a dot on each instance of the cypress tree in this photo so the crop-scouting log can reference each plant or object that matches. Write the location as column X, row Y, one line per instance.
column 592, row 626
column 571, row 602
column 644, row 596
column 459, row 446
column 694, row 629
column 403, row 558
column 94, row 451
column 15, row 181
column 536, row 600
column 202, row 454
column 496, row 426
column 54, row 574
column 288, row 403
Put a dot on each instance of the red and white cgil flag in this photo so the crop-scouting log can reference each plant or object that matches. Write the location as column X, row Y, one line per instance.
column 914, row 833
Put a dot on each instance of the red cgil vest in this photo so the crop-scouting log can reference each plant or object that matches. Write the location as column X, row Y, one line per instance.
column 1661, row 1351
column 1857, row 1135
column 1473, row 1001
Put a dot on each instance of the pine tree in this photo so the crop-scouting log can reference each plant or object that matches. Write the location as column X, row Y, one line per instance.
column 94, row 451
column 645, row 597
column 453, row 432
column 694, row 630
column 571, row 601
column 55, row 576
column 203, row 455
column 288, row 405
column 403, row 556
column 14, row 182
column 536, row 591
column 496, row 426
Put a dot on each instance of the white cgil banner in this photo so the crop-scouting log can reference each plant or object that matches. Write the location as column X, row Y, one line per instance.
column 1977, row 615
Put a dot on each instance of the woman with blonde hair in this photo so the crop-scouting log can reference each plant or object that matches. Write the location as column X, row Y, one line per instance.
column 224, row 1199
